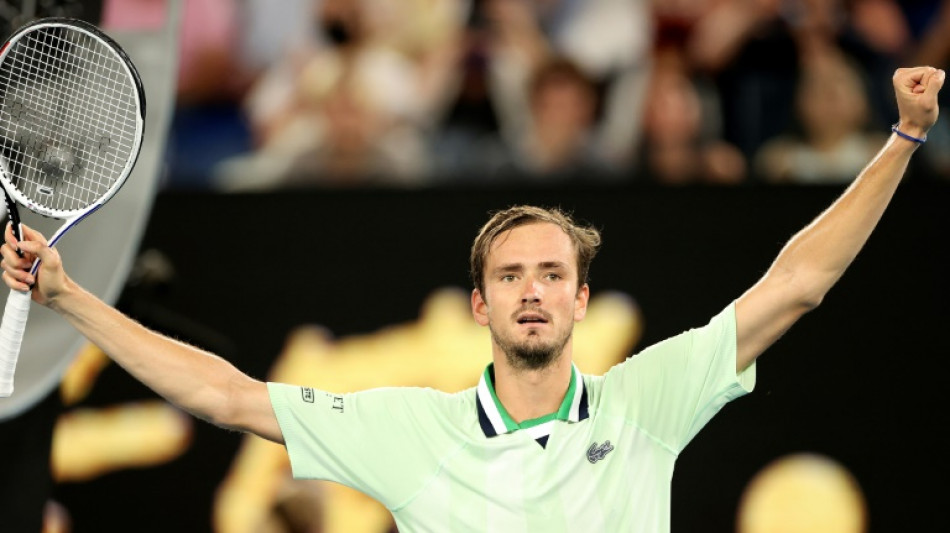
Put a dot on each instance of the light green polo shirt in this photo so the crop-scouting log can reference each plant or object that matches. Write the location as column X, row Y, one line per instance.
column 457, row 462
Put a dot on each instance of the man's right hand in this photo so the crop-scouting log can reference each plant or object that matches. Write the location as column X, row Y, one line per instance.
column 49, row 281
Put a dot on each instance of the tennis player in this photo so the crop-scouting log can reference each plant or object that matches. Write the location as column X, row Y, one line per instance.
column 536, row 446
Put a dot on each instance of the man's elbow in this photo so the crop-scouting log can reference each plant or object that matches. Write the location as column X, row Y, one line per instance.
column 804, row 291
column 247, row 408
column 809, row 302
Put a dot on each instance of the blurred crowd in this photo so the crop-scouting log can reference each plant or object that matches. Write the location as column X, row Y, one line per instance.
column 416, row 93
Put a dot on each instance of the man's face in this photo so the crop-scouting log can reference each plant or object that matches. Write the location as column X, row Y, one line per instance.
column 531, row 298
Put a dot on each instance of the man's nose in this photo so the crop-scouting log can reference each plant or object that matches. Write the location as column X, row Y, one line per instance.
column 532, row 292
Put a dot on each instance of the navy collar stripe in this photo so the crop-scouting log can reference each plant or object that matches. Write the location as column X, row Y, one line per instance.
column 484, row 422
column 582, row 412
column 491, row 421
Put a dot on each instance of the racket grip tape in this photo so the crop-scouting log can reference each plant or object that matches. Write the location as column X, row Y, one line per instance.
column 11, row 336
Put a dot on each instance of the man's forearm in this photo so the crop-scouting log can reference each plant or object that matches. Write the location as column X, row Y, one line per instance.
column 819, row 254
column 195, row 380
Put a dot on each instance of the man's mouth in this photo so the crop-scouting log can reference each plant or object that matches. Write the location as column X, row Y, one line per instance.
column 532, row 318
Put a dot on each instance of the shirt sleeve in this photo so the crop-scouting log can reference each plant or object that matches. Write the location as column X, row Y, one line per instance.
column 384, row 442
column 673, row 388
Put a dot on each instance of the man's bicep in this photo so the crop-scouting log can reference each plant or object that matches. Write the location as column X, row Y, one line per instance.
column 254, row 411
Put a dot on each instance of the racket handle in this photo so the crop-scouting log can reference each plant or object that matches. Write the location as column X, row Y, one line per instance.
column 11, row 335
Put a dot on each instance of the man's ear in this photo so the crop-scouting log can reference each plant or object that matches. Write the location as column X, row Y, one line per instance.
column 479, row 308
column 580, row 302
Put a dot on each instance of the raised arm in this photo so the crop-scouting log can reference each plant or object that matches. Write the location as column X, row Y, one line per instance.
column 813, row 260
column 199, row 382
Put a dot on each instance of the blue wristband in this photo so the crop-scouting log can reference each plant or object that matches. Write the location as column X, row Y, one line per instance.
column 899, row 133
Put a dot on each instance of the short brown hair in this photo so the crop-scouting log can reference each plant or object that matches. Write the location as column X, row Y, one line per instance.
column 586, row 239
column 560, row 70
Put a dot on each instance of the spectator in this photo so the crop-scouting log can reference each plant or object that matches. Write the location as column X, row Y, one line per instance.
column 754, row 50
column 467, row 144
column 557, row 143
column 681, row 145
column 339, row 137
column 510, row 40
column 391, row 57
column 831, row 144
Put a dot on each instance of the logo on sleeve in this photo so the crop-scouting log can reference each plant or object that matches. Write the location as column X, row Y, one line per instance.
column 596, row 452
column 337, row 403
column 307, row 393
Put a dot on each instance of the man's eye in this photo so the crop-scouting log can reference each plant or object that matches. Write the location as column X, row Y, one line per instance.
column 553, row 277
column 508, row 277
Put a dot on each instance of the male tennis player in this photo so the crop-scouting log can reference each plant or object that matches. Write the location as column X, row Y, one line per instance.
column 536, row 446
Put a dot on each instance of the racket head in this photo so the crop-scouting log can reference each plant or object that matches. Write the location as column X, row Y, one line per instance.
column 72, row 112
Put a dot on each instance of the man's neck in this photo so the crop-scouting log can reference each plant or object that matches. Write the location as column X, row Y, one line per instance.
column 530, row 394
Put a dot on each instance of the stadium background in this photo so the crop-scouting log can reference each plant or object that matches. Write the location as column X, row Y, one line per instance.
column 860, row 380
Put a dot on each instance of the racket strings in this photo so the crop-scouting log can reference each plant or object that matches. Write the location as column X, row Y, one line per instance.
column 68, row 120
column 65, row 133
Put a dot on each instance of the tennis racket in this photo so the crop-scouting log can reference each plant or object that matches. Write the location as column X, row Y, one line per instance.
column 72, row 111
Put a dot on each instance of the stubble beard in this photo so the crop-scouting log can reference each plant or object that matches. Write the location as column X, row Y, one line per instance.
column 530, row 354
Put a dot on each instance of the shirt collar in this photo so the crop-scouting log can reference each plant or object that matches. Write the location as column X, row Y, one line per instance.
column 495, row 420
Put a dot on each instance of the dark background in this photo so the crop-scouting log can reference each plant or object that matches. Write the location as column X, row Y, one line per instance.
column 861, row 379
